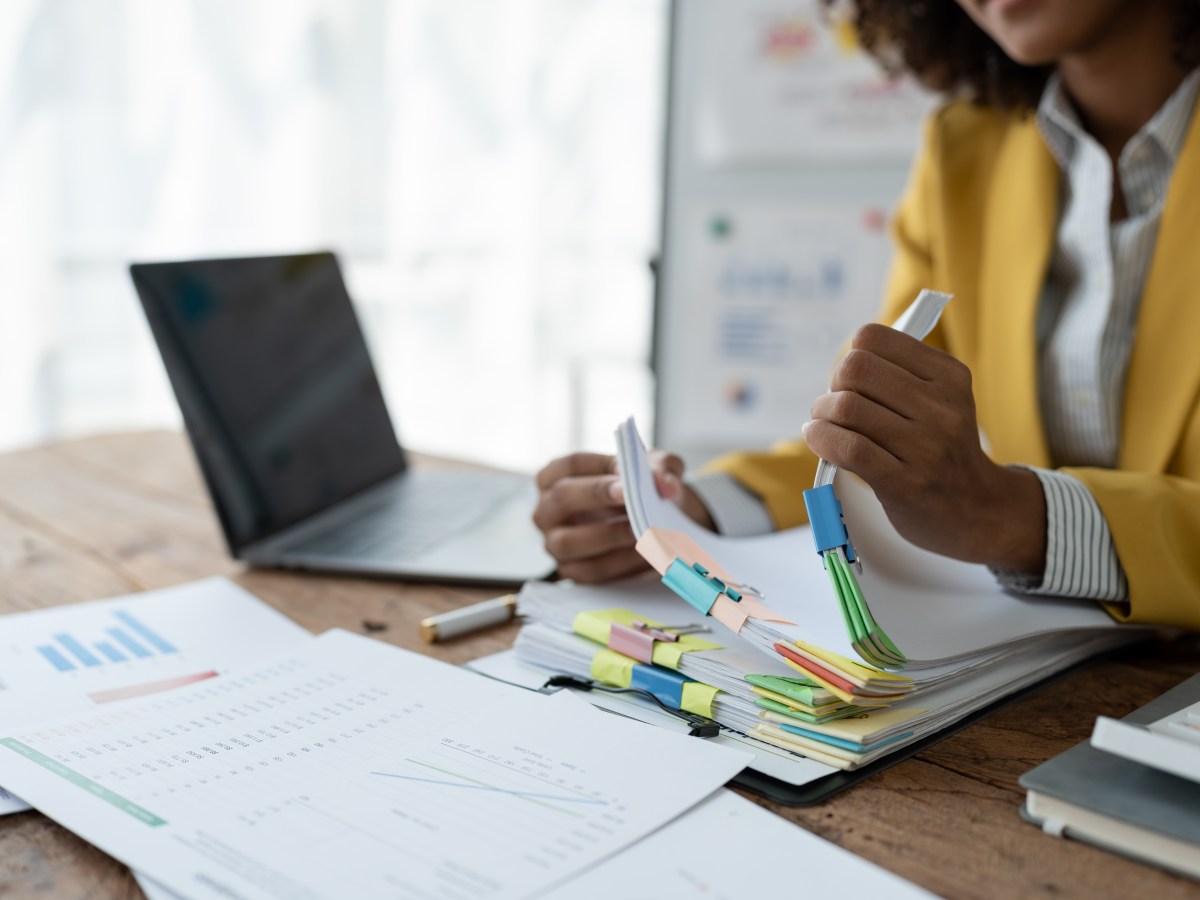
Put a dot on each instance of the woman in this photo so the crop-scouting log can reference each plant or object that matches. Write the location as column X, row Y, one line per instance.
column 1058, row 197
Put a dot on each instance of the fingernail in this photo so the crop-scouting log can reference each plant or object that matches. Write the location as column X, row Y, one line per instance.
column 804, row 428
column 615, row 492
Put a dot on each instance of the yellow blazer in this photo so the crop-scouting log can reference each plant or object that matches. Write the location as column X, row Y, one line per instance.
column 978, row 220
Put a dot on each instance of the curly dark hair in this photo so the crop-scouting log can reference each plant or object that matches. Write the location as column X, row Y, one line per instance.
column 940, row 45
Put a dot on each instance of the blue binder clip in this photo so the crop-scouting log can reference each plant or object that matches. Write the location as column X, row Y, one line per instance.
column 695, row 585
column 829, row 530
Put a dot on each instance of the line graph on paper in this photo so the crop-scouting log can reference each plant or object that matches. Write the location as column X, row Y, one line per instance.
column 554, row 808
column 414, row 803
column 543, row 789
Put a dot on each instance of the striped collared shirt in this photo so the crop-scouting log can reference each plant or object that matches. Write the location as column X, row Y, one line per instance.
column 1086, row 325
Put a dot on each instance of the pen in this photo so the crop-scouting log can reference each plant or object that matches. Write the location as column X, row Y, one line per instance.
column 469, row 618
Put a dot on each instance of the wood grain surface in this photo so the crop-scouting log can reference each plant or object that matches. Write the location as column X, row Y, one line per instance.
column 121, row 513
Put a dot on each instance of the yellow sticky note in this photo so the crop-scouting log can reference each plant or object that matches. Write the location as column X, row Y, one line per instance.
column 612, row 668
column 698, row 698
column 855, row 671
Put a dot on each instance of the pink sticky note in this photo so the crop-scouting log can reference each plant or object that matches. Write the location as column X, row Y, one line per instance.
column 729, row 613
column 660, row 547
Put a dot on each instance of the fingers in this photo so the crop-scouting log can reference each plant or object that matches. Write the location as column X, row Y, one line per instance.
column 577, row 543
column 857, row 413
column 906, row 352
column 571, row 543
column 666, row 463
column 594, row 551
column 576, row 465
column 851, row 450
column 611, row 566
column 668, row 474
column 574, row 497
column 576, row 486
column 880, row 380
column 581, row 512
column 909, row 400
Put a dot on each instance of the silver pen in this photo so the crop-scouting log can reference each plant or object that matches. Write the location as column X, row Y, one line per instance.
column 451, row 624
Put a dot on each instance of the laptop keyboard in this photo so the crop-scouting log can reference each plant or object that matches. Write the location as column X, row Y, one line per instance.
column 411, row 515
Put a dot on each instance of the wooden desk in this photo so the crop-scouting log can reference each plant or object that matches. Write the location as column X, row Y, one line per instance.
column 115, row 514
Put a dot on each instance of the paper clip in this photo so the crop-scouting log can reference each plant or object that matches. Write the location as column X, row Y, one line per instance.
column 669, row 633
column 841, row 563
column 695, row 585
column 828, row 527
column 636, row 640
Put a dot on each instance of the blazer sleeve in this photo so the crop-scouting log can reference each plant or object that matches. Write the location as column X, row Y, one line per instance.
column 779, row 476
column 1155, row 524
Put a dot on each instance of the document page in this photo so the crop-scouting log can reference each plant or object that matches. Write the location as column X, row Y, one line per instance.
column 77, row 657
column 351, row 768
column 727, row 847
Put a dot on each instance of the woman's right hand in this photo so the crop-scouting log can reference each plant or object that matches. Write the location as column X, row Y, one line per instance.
column 581, row 511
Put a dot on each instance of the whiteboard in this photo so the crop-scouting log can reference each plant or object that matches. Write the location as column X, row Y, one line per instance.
column 786, row 151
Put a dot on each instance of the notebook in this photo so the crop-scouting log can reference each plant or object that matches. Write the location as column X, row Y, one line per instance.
column 1119, row 804
column 289, row 426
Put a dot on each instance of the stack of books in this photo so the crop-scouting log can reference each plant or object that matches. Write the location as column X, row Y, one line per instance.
column 750, row 632
column 1134, row 788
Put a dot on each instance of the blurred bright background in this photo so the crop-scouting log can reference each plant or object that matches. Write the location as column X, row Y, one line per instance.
column 488, row 171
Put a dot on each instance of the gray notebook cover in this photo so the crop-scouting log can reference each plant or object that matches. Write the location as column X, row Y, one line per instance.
column 1121, row 788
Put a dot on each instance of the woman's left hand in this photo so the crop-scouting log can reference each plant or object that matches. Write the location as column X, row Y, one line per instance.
column 901, row 415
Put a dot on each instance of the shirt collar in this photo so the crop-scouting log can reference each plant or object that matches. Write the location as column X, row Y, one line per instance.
column 1062, row 130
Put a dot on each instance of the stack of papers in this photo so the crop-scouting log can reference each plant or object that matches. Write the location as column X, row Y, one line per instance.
column 791, row 673
column 220, row 750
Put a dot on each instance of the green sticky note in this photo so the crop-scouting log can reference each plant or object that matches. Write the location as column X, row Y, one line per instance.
column 887, row 649
column 799, row 689
column 612, row 668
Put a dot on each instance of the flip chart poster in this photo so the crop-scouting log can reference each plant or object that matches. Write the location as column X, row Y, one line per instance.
column 773, row 294
column 785, row 84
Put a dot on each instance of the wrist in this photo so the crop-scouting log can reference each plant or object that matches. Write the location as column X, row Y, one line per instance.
column 693, row 507
column 1012, row 536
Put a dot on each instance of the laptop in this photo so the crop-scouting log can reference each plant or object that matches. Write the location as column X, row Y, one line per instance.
column 289, row 425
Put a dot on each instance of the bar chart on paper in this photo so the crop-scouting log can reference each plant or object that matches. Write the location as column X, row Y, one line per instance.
column 65, row 658
column 126, row 639
column 71, row 658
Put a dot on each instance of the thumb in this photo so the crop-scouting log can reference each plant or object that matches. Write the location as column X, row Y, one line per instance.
column 668, row 474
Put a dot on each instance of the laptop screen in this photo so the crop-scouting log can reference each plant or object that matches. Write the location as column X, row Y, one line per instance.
column 277, row 389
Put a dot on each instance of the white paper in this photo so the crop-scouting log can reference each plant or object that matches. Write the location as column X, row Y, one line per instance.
column 136, row 644
column 726, row 848
column 10, row 803
column 909, row 590
column 685, row 859
column 351, row 768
